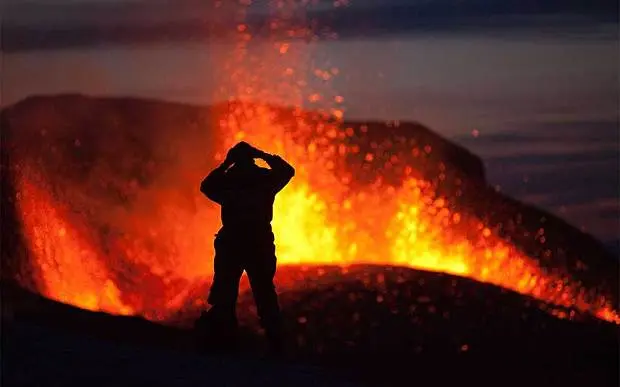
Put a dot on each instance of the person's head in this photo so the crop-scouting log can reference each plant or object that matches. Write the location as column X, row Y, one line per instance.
column 242, row 154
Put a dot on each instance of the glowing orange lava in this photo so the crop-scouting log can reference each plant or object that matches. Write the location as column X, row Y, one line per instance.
column 321, row 218
column 70, row 269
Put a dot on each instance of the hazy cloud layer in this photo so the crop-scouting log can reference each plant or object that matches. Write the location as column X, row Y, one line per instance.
column 578, row 180
column 70, row 23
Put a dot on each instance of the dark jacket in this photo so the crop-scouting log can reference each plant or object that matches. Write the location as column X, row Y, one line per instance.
column 246, row 193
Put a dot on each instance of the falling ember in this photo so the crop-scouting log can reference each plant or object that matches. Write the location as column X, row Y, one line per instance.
column 325, row 216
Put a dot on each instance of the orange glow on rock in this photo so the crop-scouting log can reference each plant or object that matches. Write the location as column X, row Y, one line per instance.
column 69, row 267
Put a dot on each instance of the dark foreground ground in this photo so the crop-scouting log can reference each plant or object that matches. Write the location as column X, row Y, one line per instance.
column 374, row 326
column 35, row 355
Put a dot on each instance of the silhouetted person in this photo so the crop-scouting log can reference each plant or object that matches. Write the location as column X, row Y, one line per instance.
column 246, row 193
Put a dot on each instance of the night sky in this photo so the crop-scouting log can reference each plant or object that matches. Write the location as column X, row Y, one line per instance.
column 537, row 80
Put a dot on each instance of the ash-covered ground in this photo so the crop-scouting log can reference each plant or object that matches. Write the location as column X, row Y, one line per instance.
column 373, row 325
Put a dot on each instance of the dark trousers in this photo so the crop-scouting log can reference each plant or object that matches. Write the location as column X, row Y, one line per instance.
column 256, row 255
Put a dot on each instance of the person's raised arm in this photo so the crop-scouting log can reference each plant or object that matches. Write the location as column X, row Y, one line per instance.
column 282, row 171
column 213, row 185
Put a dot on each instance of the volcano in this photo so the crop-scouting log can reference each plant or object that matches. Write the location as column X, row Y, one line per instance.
column 395, row 252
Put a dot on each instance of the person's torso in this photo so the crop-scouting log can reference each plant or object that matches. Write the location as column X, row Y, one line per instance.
column 248, row 203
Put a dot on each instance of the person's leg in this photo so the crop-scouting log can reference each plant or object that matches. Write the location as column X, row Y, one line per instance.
column 224, row 291
column 261, row 270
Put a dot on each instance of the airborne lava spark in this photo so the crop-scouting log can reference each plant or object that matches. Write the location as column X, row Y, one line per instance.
column 324, row 217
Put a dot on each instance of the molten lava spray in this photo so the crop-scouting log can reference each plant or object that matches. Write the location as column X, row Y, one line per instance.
column 325, row 216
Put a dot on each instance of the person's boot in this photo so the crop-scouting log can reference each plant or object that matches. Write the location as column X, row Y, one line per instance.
column 218, row 331
column 226, row 339
column 275, row 341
